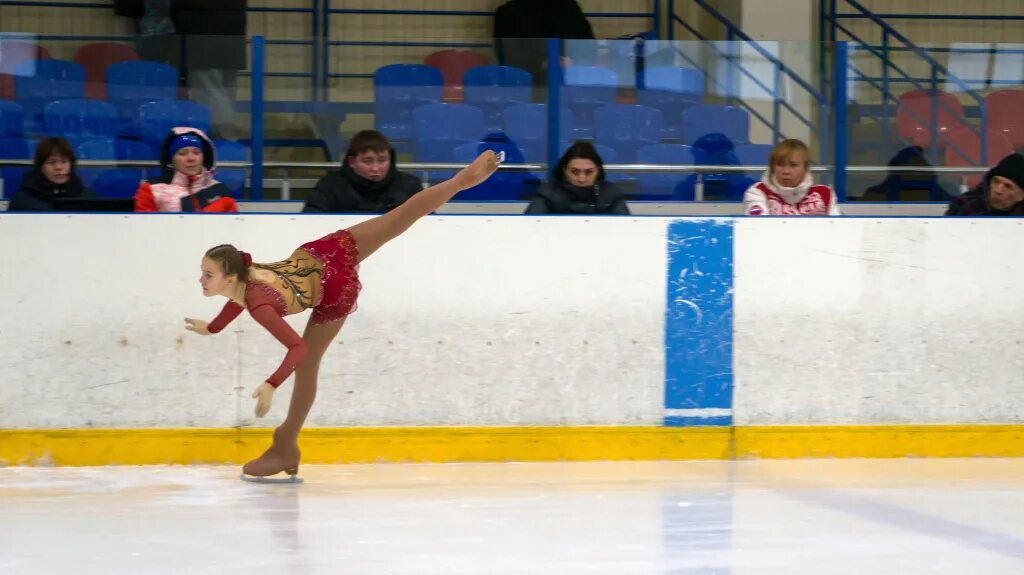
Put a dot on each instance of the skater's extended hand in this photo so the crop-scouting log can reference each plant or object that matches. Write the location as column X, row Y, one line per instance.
column 263, row 395
column 197, row 325
column 482, row 167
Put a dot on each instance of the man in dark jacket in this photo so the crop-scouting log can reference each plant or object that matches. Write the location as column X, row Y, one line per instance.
column 368, row 180
column 1000, row 194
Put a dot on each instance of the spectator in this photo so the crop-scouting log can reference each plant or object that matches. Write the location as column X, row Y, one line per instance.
column 187, row 184
column 1001, row 193
column 578, row 186
column 53, row 177
column 368, row 181
column 787, row 189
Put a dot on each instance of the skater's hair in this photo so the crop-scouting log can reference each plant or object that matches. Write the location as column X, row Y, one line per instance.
column 580, row 151
column 786, row 148
column 51, row 146
column 368, row 141
column 233, row 261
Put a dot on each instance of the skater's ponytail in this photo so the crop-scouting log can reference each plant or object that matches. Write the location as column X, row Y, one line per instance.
column 233, row 261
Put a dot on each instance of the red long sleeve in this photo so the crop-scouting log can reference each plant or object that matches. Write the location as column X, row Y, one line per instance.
column 275, row 324
column 144, row 201
column 227, row 314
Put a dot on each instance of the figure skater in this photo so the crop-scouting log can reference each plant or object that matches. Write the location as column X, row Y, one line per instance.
column 321, row 275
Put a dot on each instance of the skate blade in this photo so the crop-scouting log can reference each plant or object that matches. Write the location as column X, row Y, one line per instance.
column 272, row 480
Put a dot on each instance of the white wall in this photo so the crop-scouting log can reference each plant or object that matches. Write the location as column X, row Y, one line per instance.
column 463, row 321
column 879, row 321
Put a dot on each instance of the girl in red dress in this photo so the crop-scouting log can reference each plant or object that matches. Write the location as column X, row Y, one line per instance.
column 320, row 275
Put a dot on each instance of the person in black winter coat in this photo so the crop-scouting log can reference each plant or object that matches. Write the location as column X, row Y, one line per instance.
column 368, row 180
column 578, row 186
column 521, row 28
column 53, row 177
column 1001, row 193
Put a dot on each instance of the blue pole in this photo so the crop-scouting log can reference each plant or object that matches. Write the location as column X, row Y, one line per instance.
column 839, row 103
column 326, row 67
column 256, row 118
column 554, row 99
column 885, row 89
column 315, row 50
column 777, row 102
column 656, row 16
column 671, row 19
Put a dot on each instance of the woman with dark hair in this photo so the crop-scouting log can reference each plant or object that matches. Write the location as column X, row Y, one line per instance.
column 52, row 177
column 578, row 186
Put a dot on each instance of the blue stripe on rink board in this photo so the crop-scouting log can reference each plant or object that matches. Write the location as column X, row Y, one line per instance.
column 698, row 323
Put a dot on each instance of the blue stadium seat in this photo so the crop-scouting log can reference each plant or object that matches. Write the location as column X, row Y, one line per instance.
column 753, row 154
column 233, row 178
column 157, row 118
column 133, row 83
column 439, row 128
column 699, row 121
column 527, row 126
column 39, row 82
column 114, row 182
column 494, row 88
column 398, row 89
column 671, row 90
column 70, row 118
column 626, row 128
column 586, row 89
column 12, row 119
column 661, row 186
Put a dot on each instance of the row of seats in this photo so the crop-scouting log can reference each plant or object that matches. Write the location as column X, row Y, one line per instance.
column 94, row 59
column 624, row 127
column 399, row 88
column 917, row 108
column 77, row 118
column 117, row 182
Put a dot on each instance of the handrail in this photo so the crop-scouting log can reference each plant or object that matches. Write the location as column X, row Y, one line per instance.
column 419, row 166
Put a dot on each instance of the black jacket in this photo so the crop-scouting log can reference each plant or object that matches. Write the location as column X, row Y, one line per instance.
column 975, row 203
column 344, row 191
column 522, row 26
column 559, row 197
column 37, row 194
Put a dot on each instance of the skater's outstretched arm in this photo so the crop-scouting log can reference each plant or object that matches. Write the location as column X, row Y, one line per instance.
column 226, row 316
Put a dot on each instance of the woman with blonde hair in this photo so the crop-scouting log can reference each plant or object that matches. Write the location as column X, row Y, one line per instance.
column 787, row 188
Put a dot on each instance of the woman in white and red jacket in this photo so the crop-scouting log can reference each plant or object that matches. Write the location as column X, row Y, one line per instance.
column 787, row 189
column 187, row 184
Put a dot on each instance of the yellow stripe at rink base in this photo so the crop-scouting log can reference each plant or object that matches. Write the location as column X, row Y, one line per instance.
column 457, row 444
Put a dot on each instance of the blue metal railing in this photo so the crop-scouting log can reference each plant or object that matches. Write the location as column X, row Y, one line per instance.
column 830, row 21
